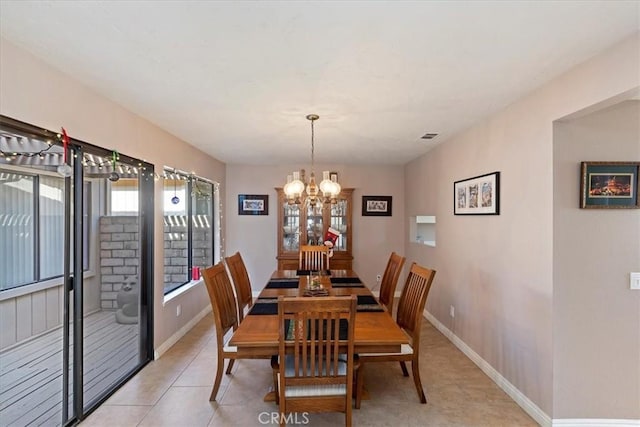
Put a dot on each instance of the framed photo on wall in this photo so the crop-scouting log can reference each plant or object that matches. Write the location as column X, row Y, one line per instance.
column 376, row 205
column 479, row 195
column 251, row 204
column 609, row 185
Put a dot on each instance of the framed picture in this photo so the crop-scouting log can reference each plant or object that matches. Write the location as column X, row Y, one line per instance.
column 376, row 205
column 333, row 176
column 479, row 195
column 251, row 204
column 609, row 185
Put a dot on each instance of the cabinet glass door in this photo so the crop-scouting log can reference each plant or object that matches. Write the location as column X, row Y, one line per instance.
column 315, row 225
column 291, row 227
column 339, row 223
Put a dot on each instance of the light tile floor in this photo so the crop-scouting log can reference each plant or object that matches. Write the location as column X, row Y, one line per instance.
column 174, row 391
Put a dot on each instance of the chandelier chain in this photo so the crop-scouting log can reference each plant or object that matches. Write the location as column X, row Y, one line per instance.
column 312, row 145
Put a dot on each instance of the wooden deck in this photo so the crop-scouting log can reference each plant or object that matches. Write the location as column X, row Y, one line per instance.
column 31, row 373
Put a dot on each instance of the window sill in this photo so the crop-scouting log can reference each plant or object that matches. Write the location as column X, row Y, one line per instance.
column 431, row 243
column 181, row 290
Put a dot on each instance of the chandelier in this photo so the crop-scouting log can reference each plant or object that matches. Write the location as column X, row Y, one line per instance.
column 296, row 184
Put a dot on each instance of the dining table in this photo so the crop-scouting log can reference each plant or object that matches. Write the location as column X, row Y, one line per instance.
column 375, row 331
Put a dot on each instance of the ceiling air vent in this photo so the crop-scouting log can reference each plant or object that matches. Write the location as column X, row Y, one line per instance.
column 429, row 136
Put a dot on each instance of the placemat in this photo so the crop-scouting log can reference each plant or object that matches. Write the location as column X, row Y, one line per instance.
column 282, row 284
column 265, row 306
column 346, row 282
column 368, row 303
column 314, row 272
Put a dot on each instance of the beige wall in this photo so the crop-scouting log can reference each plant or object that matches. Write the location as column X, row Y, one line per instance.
column 38, row 94
column 373, row 237
column 497, row 270
column 596, row 317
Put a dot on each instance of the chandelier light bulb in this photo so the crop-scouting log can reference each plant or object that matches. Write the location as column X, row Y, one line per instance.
column 326, row 185
column 287, row 186
column 297, row 186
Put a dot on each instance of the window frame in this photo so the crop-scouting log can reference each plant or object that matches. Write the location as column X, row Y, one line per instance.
column 38, row 281
column 190, row 179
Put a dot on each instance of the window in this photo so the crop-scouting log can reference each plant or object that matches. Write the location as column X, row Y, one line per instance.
column 188, row 227
column 17, row 229
column 51, row 230
column 32, row 227
column 202, row 220
column 124, row 197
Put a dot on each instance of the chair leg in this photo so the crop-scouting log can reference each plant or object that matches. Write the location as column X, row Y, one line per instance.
column 230, row 365
column 275, row 387
column 404, row 369
column 416, row 379
column 216, row 383
column 359, row 384
column 281, row 414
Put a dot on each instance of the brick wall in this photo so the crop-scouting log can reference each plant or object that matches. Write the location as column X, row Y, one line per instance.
column 175, row 246
column 120, row 252
column 119, row 256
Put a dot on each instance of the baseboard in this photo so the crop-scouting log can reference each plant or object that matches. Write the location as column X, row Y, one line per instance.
column 159, row 351
column 593, row 422
column 523, row 401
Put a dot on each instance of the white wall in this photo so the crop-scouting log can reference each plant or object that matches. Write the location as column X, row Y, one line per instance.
column 374, row 238
column 596, row 317
column 38, row 94
column 497, row 270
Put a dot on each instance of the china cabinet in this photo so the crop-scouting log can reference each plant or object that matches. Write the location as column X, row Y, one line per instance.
column 306, row 225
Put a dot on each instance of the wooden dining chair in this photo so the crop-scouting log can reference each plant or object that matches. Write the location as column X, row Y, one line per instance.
column 241, row 283
column 390, row 281
column 225, row 315
column 314, row 257
column 409, row 318
column 315, row 365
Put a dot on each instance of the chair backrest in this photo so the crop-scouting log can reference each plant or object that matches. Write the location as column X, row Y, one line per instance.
column 314, row 257
column 316, row 335
column 223, row 301
column 413, row 299
column 390, row 280
column 241, row 282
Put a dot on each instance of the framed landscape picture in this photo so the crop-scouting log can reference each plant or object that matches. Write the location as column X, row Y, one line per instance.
column 251, row 204
column 479, row 195
column 376, row 205
column 609, row 185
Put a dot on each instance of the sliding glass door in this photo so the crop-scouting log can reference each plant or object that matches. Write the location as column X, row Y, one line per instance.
column 75, row 274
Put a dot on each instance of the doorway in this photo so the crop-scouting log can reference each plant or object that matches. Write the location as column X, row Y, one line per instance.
column 75, row 274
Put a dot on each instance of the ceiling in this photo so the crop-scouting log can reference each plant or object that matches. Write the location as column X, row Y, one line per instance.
column 237, row 79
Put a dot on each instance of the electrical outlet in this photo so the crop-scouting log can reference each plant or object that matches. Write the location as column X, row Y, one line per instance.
column 452, row 311
column 178, row 310
column 378, row 278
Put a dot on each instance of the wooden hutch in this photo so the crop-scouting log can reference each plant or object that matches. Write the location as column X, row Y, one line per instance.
column 307, row 226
